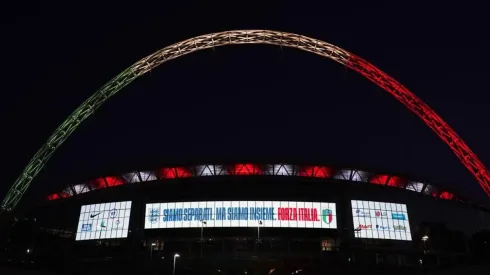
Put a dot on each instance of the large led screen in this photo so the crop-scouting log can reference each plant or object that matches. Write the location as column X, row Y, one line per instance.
column 104, row 221
column 241, row 214
column 380, row 220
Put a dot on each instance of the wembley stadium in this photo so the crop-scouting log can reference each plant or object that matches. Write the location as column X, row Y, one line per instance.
column 249, row 217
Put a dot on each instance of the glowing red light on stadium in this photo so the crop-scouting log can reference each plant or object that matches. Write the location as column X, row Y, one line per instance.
column 53, row 197
column 392, row 181
column 379, row 179
column 246, row 169
column 446, row 195
column 176, row 172
column 316, row 172
column 98, row 183
column 395, row 181
column 65, row 195
column 113, row 181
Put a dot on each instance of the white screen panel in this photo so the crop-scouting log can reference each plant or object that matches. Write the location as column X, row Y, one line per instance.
column 104, row 221
column 241, row 214
column 380, row 220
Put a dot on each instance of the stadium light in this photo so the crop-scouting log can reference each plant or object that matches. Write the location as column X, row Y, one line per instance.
column 151, row 250
column 425, row 238
column 258, row 236
column 176, row 255
column 258, row 231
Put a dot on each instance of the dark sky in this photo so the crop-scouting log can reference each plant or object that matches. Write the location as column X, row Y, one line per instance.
column 244, row 102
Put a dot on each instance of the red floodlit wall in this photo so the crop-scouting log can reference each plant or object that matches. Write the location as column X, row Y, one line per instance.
column 106, row 182
column 177, row 172
column 53, row 197
column 316, row 172
column 65, row 195
column 113, row 181
column 446, row 195
column 98, row 183
column 246, row 169
column 395, row 181
column 379, row 179
column 392, row 181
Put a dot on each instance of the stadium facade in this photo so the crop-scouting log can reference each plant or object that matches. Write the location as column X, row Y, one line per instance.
column 251, row 218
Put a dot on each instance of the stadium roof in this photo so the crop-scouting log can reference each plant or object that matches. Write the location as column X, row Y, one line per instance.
column 252, row 169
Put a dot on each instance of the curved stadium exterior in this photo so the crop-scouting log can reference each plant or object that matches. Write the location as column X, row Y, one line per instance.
column 233, row 247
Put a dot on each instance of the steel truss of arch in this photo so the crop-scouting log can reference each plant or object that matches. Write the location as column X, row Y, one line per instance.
column 87, row 108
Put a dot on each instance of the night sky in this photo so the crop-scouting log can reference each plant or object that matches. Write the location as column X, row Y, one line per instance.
column 244, row 103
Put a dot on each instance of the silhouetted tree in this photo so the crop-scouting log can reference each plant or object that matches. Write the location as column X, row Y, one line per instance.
column 441, row 239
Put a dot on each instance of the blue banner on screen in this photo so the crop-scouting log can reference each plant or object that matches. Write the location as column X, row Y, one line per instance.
column 398, row 216
column 241, row 214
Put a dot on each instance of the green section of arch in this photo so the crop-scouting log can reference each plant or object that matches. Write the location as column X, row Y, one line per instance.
column 59, row 136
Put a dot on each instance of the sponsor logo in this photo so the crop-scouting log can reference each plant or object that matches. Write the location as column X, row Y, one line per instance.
column 94, row 215
column 102, row 225
column 380, row 213
column 364, row 226
column 399, row 227
column 380, row 227
column 117, row 223
column 154, row 213
column 86, row 227
column 113, row 213
column 327, row 216
column 398, row 216
column 361, row 213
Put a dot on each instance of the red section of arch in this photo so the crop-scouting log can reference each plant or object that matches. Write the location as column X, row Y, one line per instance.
column 433, row 120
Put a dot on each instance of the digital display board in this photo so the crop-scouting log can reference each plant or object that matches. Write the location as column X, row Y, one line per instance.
column 104, row 221
column 380, row 220
column 241, row 214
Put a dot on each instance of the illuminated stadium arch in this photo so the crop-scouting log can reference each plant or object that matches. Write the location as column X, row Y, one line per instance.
column 412, row 102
